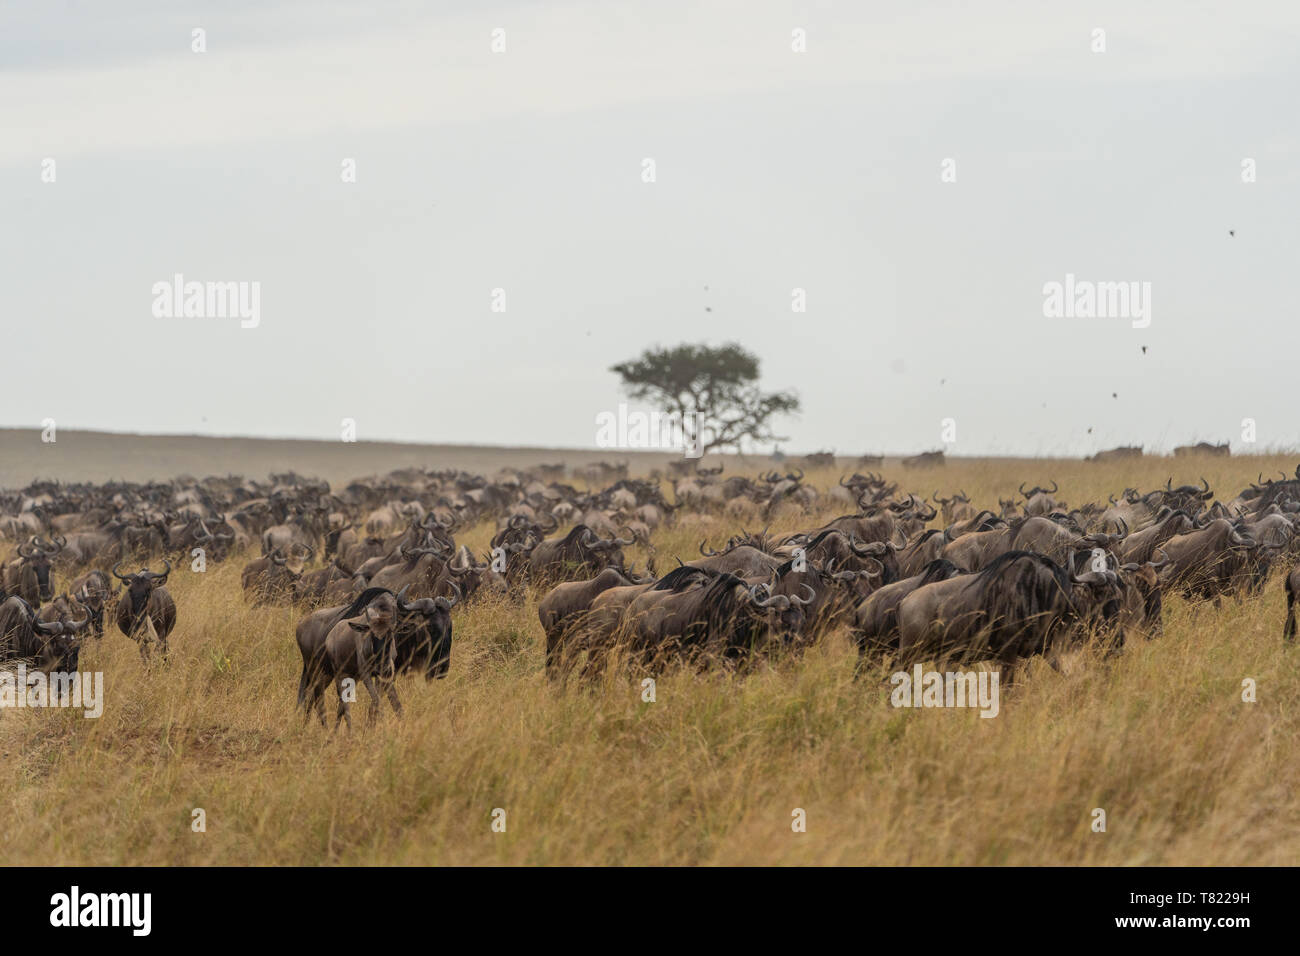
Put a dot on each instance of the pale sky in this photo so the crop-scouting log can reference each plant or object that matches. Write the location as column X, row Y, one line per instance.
column 775, row 170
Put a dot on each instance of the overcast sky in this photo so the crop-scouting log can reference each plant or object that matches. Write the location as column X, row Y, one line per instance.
column 774, row 170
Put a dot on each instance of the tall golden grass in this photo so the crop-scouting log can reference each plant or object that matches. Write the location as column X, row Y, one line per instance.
column 710, row 773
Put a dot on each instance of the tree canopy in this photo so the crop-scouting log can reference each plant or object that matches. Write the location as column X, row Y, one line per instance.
column 719, row 383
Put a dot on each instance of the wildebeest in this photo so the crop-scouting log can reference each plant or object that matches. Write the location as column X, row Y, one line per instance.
column 49, row 645
column 696, row 614
column 1019, row 605
column 312, row 633
column 927, row 459
column 28, row 575
column 875, row 619
column 1117, row 454
column 422, row 639
column 567, row 602
column 93, row 590
column 577, row 555
column 146, row 612
column 1203, row 448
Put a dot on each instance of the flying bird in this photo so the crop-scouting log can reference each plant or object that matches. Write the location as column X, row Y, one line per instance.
column 1232, row 232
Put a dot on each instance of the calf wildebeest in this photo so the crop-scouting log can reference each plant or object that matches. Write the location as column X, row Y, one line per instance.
column 363, row 650
column 93, row 590
column 50, row 645
column 310, row 635
column 146, row 612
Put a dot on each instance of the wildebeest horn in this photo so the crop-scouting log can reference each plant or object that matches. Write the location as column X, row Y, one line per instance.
column 812, row 595
column 864, row 550
column 1242, row 540
column 1164, row 559
column 31, row 547
column 401, row 597
column 1207, row 493
column 447, row 603
column 1055, row 487
column 708, row 554
column 120, row 577
column 1022, row 489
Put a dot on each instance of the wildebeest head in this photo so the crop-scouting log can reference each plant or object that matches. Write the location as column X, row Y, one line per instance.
column 35, row 562
column 139, row 587
column 423, row 633
column 376, row 621
column 58, row 627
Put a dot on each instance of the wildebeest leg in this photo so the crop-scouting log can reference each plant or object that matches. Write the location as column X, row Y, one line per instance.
column 345, row 709
column 390, row 689
column 373, row 714
column 1289, row 628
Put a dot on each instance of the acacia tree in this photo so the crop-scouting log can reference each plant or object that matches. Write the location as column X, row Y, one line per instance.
column 720, row 384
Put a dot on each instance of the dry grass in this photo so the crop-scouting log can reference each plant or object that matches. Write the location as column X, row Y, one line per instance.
column 709, row 773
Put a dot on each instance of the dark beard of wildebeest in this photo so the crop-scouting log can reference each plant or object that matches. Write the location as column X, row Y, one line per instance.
column 578, row 555
column 875, row 619
column 146, row 611
column 1021, row 604
column 28, row 576
column 51, row 645
column 93, row 590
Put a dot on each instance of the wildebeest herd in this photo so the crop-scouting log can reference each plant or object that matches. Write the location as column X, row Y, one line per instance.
column 912, row 578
